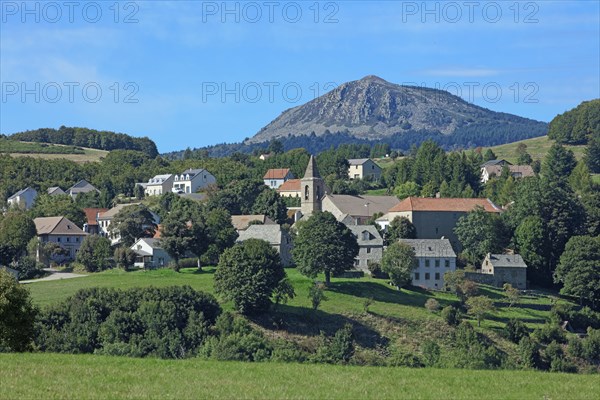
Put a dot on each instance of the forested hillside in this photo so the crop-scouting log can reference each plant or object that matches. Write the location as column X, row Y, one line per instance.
column 84, row 137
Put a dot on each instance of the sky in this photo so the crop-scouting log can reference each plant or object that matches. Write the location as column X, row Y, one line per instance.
column 198, row 73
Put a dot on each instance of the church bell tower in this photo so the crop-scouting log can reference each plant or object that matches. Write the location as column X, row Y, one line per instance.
column 312, row 188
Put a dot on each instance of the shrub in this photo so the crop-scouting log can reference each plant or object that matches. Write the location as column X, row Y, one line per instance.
column 188, row 263
column 431, row 353
column 286, row 351
column 336, row 350
column 367, row 303
column 550, row 332
column 575, row 348
column 529, row 354
column 316, row 294
column 400, row 358
column 95, row 253
column 451, row 315
column 124, row 258
column 28, row 268
column 169, row 322
column 432, row 305
column 471, row 350
column 591, row 345
column 515, row 330
column 376, row 271
column 556, row 357
column 17, row 315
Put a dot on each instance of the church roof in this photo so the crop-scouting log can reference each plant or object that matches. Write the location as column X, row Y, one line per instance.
column 311, row 169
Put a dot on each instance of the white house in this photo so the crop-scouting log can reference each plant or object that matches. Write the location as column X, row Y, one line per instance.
column 361, row 168
column 192, row 180
column 150, row 254
column 104, row 220
column 23, row 198
column 159, row 185
column 435, row 257
column 276, row 177
column 62, row 231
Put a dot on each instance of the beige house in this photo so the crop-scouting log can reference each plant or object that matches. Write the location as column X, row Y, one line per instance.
column 361, row 168
column 290, row 188
column 62, row 231
column 435, row 257
column 435, row 218
column 277, row 237
column 356, row 210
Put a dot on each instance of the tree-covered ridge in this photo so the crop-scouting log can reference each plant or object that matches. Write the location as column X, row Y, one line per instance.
column 471, row 136
column 84, row 137
column 577, row 126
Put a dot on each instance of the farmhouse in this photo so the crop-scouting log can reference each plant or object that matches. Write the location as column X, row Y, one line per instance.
column 436, row 217
column 435, row 257
column 361, row 168
column 277, row 237
column 498, row 269
column 23, row 198
column 516, row 171
column 62, row 231
column 274, row 178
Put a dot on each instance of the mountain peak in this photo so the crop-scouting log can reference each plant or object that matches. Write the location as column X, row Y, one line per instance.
column 373, row 78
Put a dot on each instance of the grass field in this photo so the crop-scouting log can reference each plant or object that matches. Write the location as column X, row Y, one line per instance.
column 537, row 147
column 50, row 151
column 346, row 297
column 54, row 376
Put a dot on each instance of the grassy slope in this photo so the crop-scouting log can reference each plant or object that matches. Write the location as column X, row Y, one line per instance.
column 48, row 376
column 50, row 151
column 537, row 147
column 346, row 297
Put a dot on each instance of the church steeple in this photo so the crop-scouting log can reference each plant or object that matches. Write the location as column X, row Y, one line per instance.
column 313, row 189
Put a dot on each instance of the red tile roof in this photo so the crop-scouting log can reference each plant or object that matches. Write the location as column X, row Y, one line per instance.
column 291, row 185
column 92, row 213
column 444, row 204
column 277, row 173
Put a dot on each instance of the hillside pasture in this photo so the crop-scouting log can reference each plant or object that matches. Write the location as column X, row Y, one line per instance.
column 536, row 147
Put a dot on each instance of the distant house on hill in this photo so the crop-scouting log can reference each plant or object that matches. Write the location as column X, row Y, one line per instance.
column 242, row 222
column 434, row 218
column 490, row 163
column 61, row 231
column 274, row 178
column 55, row 191
column 361, row 168
column 370, row 244
column 192, row 180
column 277, row 237
column 435, row 257
column 23, row 198
column 516, row 171
column 82, row 186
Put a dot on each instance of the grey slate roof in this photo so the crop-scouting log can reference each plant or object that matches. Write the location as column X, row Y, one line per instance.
column 55, row 190
column 495, row 162
column 20, row 192
column 374, row 238
column 431, row 247
column 357, row 161
column 82, row 186
column 362, row 205
column 507, row 261
column 269, row 233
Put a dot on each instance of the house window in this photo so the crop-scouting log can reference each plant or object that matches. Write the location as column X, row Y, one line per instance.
column 77, row 239
column 447, row 263
column 436, row 230
column 437, row 263
column 417, row 276
column 306, row 192
column 58, row 240
column 427, row 276
column 356, row 176
column 368, row 250
column 437, row 276
column 427, row 263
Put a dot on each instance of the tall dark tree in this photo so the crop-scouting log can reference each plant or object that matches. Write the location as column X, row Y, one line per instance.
column 269, row 203
column 558, row 164
column 17, row 315
column 400, row 228
column 592, row 154
column 95, row 253
column 16, row 230
column 579, row 269
column 481, row 232
column 248, row 274
column 324, row 245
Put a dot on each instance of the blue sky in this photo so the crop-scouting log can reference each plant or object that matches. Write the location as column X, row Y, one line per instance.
column 193, row 73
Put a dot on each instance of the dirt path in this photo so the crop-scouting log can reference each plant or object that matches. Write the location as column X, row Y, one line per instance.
column 54, row 276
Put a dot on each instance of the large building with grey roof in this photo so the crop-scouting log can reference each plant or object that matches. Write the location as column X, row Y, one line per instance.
column 434, row 257
column 370, row 246
column 277, row 237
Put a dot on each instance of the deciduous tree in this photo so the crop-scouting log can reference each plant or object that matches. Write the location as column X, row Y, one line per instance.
column 399, row 262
